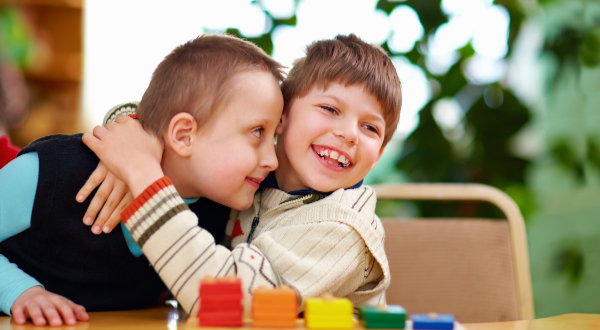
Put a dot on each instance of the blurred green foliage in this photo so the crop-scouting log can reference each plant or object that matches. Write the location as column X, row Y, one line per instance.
column 570, row 262
column 572, row 53
column 17, row 39
column 565, row 157
column 427, row 154
column 593, row 154
column 493, row 118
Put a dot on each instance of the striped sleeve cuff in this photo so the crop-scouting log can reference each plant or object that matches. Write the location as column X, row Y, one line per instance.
column 151, row 209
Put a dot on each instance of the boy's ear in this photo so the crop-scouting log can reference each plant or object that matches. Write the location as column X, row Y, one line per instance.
column 282, row 123
column 378, row 158
column 181, row 134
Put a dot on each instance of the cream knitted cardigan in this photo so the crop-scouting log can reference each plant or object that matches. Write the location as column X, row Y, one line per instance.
column 314, row 243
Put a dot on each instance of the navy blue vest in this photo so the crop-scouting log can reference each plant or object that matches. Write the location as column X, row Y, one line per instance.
column 98, row 272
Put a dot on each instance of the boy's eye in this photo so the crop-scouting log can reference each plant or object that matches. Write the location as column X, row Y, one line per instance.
column 329, row 108
column 257, row 132
column 371, row 128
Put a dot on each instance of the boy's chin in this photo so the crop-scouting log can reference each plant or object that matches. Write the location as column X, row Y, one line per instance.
column 240, row 203
column 325, row 186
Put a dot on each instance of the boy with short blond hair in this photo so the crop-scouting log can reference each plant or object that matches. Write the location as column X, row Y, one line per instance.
column 214, row 103
column 312, row 224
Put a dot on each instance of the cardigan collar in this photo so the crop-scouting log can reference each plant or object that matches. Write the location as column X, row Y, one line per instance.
column 271, row 182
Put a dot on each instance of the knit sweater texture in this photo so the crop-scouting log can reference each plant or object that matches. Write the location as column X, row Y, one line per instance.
column 314, row 243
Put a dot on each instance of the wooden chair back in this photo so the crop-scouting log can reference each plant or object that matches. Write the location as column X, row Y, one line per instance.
column 476, row 269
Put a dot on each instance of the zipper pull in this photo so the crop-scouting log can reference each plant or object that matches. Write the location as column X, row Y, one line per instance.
column 255, row 222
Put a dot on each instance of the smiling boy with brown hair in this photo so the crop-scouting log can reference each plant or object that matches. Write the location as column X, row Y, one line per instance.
column 214, row 102
column 312, row 224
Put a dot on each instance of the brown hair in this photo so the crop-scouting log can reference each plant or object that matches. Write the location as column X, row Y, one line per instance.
column 193, row 77
column 351, row 61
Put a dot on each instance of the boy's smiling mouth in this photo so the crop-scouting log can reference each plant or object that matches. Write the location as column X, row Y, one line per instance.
column 332, row 158
column 255, row 182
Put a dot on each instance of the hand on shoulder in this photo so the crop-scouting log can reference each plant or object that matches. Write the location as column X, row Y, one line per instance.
column 129, row 152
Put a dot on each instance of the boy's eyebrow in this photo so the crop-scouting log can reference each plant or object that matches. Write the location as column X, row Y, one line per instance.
column 337, row 99
column 378, row 118
column 260, row 121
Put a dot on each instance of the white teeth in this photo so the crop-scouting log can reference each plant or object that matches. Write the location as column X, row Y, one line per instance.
column 334, row 156
column 323, row 152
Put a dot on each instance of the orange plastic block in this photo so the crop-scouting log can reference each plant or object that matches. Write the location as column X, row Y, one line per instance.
column 221, row 302
column 291, row 323
column 274, row 308
column 275, row 296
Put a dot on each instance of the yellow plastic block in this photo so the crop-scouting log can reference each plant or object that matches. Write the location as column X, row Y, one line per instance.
column 329, row 313
column 322, row 324
column 334, row 306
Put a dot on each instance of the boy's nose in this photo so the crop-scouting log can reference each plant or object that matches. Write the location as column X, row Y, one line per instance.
column 269, row 158
column 348, row 131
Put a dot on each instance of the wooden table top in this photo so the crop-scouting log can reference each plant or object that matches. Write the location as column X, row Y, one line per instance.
column 169, row 319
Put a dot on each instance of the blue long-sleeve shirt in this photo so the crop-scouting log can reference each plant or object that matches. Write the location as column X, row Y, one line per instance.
column 18, row 184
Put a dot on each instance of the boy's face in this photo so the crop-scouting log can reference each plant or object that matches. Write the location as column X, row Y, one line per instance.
column 329, row 139
column 235, row 151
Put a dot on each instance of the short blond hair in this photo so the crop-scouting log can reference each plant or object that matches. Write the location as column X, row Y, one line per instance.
column 350, row 61
column 193, row 77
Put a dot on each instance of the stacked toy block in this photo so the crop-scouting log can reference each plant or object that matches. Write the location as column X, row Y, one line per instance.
column 383, row 317
column 328, row 313
column 432, row 321
column 274, row 308
column 221, row 302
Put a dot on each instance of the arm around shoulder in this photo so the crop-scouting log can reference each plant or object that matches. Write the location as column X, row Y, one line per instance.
column 183, row 253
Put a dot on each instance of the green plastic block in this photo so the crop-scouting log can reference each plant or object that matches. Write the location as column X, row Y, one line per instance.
column 383, row 317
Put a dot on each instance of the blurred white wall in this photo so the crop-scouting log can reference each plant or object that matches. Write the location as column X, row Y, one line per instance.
column 126, row 39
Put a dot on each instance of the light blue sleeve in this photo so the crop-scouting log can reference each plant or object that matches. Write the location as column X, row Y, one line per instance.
column 18, row 184
column 133, row 246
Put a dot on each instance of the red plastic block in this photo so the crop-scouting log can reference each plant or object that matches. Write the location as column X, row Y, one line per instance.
column 221, row 318
column 221, row 302
column 210, row 322
column 221, row 286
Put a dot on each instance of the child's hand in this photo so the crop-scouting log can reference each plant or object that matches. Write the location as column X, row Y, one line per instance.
column 112, row 197
column 43, row 307
column 128, row 151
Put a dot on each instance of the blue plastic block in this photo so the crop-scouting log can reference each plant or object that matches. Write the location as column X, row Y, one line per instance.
column 432, row 321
